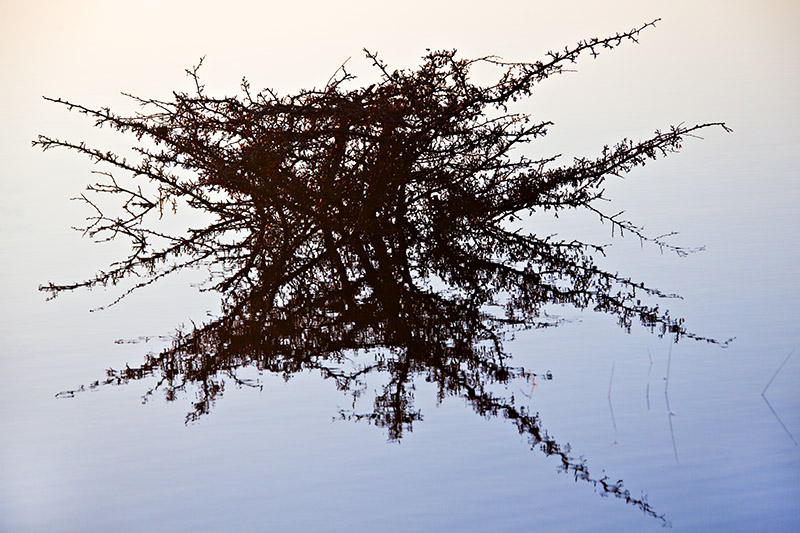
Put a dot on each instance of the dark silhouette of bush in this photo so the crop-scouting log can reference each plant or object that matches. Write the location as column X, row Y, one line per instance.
column 378, row 218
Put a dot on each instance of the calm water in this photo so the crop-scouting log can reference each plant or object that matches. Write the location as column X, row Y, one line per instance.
column 705, row 448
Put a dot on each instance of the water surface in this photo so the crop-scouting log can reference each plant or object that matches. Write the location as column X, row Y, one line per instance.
column 705, row 447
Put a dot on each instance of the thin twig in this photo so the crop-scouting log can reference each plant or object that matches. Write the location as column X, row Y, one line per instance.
column 612, row 379
column 610, row 407
column 669, row 363
column 649, row 369
column 780, row 421
column 777, row 372
column 670, row 414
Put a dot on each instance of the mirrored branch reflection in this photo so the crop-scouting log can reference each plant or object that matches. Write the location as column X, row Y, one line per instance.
column 401, row 335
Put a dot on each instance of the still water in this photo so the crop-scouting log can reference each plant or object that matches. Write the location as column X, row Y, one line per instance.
column 703, row 436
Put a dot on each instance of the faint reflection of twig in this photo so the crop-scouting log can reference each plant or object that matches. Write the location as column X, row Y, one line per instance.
column 610, row 407
column 777, row 372
column 670, row 414
column 780, row 421
column 763, row 395
column 647, row 394
column 533, row 386
column 669, row 363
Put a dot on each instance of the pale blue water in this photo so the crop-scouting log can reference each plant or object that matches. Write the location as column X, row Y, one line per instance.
column 712, row 454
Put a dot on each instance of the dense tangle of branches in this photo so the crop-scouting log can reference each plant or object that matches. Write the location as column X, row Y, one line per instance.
column 341, row 193
column 381, row 218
